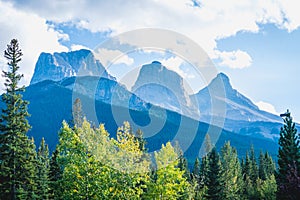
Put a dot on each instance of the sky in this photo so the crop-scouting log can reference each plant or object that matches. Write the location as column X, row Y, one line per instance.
column 256, row 43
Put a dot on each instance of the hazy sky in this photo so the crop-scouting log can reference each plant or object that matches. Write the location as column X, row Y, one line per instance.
column 256, row 43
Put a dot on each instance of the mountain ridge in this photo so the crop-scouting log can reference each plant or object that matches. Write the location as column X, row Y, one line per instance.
column 238, row 106
column 57, row 66
column 159, row 86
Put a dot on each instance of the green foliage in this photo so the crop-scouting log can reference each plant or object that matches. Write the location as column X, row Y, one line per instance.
column 132, row 165
column 214, row 179
column 231, row 174
column 288, row 159
column 55, row 174
column 43, row 166
column 196, row 169
column 182, row 162
column 170, row 182
column 266, row 166
column 266, row 189
column 250, row 175
column 264, row 185
column 197, row 180
column 253, row 173
column 13, row 118
column 201, row 175
column 17, row 151
column 95, row 166
column 80, row 171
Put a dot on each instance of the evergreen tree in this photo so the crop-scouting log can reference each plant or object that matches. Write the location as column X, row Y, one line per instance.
column 203, row 178
column 199, row 190
column 202, row 188
column 262, row 171
column 269, row 165
column 288, row 159
column 55, row 174
column 231, row 173
column 214, row 180
column 17, row 151
column 43, row 171
column 196, row 170
column 266, row 189
column 250, row 175
column 182, row 161
column 266, row 186
column 253, row 166
column 266, row 166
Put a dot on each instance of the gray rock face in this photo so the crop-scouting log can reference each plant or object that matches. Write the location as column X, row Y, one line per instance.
column 218, row 101
column 162, row 87
column 58, row 66
column 238, row 107
column 104, row 90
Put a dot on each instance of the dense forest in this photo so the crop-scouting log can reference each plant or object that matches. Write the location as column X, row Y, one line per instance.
column 89, row 164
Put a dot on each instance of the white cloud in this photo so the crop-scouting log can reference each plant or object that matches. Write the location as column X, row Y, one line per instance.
column 75, row 47
column 205, row 24
column 3, row 66
column 267, row 107
column 174, row 64
column 33, row 34
column 291, row 10
column 235, row 59
column 108, row 57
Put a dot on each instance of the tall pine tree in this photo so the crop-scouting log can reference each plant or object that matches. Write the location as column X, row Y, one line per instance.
column 288, row 160
column 43, row 166
column 55, row 175
column 250, row 175
column 231, row 173
column 214, row 180
column 17, row 151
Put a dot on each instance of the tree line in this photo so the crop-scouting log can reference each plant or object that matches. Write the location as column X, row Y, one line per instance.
column 90, row 164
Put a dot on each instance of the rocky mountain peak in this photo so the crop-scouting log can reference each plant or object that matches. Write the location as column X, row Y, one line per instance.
column 219, row 82
column 156, row 73
column 58, row 66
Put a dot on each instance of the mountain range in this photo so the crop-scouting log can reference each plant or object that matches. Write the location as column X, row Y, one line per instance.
column 157, row 103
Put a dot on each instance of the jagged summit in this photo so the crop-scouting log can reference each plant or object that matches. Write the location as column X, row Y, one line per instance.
column 224, row 78
column 238, row 106
column 162, row 87
column 220, row 81
column 156, row 62
column 158, row 74
column 66, row 64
